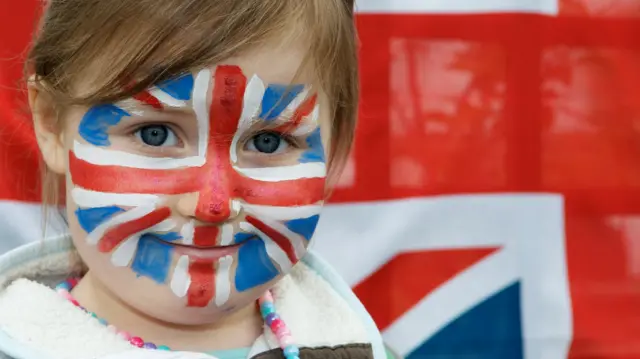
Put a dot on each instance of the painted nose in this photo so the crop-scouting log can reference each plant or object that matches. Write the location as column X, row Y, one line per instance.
column 212, row 204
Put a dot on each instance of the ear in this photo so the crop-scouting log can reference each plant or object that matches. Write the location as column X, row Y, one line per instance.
column 48, row 133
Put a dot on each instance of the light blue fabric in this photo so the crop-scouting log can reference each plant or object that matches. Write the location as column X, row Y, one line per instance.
column 239, row 353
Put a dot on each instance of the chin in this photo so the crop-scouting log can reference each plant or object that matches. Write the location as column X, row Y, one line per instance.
column 156, row 301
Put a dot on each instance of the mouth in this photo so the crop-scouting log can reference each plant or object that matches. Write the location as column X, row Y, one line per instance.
column 208, row 253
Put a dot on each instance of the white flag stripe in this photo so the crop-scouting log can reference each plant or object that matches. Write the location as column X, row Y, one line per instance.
column 252, row 101
column 87, row 198
column 180, row 281
column 226, row 235
column 309, row 124
column 223, row 280
column 285, row 173
column 105, row 157
column 282, row 213
column 295, row 239
column 547, row 7
column 445, row 303
column 123, row 255
column 201, row 108
column 187, row 233
column 273, row 250
column 167, row 99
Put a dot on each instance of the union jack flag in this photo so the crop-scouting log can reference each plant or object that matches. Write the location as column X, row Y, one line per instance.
column 121, row 196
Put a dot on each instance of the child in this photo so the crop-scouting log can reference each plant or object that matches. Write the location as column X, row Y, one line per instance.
column 194, row 142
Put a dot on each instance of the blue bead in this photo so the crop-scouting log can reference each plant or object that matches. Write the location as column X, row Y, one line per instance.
column 267, row 308
column 270, row 318
column 291, row 350
column 102, row 321
column 64, row 285
column 293, row 357
column 163, row 347
column 149, row 345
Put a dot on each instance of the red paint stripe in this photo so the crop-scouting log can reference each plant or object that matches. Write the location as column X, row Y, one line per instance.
column 276, row 236
column 202, row 287
column 117, row 179
column 224, row 115
column 304, row 110
column 206, row 236
column 147, row 98
column 285, row 193
column 113, row 237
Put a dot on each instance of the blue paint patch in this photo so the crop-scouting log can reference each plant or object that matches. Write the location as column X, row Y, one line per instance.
column 254, row 265
column 491, row 330
column 243, row 237
column 276, row 98
column 304, row 226
column 95, row 123
column 315, row 153
column 152, row 259
column 179, row 88
column 91, row 218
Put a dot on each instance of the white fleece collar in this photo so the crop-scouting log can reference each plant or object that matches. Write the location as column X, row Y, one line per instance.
column 319, row 309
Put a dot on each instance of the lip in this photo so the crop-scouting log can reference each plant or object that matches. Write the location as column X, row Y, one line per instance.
column 209, row 253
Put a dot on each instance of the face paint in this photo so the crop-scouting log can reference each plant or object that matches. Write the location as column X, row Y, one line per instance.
column 120, row 195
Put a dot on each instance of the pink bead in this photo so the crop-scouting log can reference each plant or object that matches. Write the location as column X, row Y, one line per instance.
column 65, row 294
column 112, row 329
column 136, row 342
column 124, row 335
column 267, row 296
column 285, row 341
column 276, row 325
column 283, row 332
column 74, row 302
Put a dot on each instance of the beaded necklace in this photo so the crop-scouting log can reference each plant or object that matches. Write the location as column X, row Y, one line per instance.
column 267, row 310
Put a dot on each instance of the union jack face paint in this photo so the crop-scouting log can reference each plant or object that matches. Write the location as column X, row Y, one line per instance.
column 264, row 216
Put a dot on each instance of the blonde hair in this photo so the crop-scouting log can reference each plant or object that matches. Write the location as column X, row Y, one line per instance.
column 154, row 40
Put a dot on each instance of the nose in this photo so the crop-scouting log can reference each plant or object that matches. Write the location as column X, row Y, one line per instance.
column 206, row 207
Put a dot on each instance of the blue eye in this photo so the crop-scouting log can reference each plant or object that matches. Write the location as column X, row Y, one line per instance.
column 157, row 136
column 267, row 142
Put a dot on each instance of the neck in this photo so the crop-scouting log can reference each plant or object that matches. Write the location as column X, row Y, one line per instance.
column 237, row 330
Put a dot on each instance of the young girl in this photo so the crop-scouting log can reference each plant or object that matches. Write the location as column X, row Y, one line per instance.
column 194, row 143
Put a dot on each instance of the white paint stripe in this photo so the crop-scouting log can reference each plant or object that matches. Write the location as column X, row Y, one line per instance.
column 295, row 103
column 273, row 250
column 123, row 255
column 201, row 108
column 187, row 233
column 105, row 157
column 548, row 7
column 226, row 238
column 167, row 99
column 223, row 280
column 295, row 239
column 94, row 237
column 251, row 106
column 309, row 123
column 164, row 226
column 445, row 304
column 283, row 213
column 285, row 173
column 87, row 198
column 181, row 280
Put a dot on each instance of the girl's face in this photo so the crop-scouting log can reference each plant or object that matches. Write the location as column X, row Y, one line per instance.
column 194, row 197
